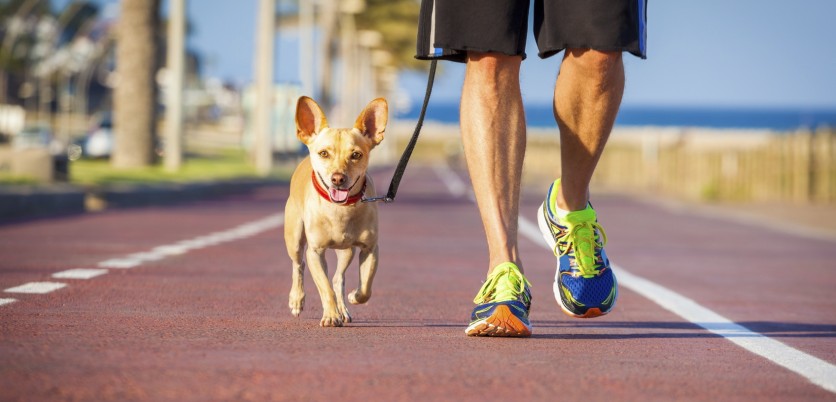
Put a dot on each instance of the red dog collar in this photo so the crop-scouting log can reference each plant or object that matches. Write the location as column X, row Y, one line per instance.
column 351, row 200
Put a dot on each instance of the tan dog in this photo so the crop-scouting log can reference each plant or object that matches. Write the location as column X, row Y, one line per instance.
column 323, row 211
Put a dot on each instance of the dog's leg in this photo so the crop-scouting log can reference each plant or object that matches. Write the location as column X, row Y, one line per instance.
column 319, row 272
column 368, row 267
column 294, row 235
column 344, row 258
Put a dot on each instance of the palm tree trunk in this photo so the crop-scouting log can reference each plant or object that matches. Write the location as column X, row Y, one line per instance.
column 327, row 53
column 134, row 100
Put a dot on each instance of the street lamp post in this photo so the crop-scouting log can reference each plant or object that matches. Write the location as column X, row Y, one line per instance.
column 265, row 32
column 173, row 152
column 306, row 46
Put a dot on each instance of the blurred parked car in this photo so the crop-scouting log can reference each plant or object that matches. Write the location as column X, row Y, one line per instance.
column 99, row 141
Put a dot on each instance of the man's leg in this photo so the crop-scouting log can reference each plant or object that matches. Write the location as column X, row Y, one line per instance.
column 587, row 96
column 493, row 134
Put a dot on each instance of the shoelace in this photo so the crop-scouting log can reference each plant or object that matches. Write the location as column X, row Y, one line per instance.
column 582, row 239
column 515, row 285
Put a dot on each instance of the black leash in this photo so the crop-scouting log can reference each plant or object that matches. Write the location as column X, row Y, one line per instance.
column 396, row 177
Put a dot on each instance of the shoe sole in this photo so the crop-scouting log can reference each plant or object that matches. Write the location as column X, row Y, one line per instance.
column 501, row 323
column 547, row 236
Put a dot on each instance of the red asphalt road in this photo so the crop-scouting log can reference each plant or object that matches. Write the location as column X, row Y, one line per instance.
column 213, row 324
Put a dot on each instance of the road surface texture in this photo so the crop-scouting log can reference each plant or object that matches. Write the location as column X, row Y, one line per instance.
column 189, row 303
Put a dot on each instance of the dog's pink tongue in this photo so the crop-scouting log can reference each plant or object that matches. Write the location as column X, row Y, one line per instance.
column 338, row 195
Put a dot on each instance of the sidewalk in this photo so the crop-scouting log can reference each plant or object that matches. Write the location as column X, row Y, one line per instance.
column 31, row 201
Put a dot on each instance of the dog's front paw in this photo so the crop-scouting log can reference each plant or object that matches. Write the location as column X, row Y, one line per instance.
column 296, row 304
column 344, row 315
column 356, row 297
column 331, row 321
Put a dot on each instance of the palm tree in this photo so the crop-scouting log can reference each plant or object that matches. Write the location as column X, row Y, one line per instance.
column 17, row 39
column 134, row 97
column 397, row 21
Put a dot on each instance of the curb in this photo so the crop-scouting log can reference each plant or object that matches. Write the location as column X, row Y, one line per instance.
column 33, row 201
column 20, row 202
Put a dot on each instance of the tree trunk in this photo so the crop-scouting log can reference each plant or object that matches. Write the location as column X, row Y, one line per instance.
column 327, row 52
column 134, row 100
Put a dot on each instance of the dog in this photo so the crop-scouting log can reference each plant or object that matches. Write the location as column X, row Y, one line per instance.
column 323, row 210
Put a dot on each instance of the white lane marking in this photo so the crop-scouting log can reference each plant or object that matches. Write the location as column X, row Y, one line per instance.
column 36, row 287
column 184, row 246
column 146, row 256
column 450, row 179
column 453, row 182
column 174, row 249
column 155, row 254
column 817, row 371
column 79, row 273
column 120, row 263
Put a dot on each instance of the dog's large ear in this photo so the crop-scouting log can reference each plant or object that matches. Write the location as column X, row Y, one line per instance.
column 372, row 120
column 310, row 119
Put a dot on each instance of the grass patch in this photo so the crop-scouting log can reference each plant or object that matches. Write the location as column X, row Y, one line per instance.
column 226, row 165
column 8, row 179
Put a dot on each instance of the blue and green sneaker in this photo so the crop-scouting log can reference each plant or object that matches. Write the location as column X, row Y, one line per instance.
column 502, row 304
column 584, row 284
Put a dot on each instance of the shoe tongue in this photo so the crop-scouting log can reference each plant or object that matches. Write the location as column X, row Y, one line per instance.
column 338, row 195
column 582, row 216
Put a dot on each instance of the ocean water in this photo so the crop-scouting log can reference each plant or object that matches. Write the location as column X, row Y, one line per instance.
column 746, row 118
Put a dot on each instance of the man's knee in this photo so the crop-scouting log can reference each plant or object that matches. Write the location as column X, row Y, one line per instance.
column 493, row 63
column 594, row 60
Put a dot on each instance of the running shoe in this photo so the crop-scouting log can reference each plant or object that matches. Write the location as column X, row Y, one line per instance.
column 584, row 284
column 502, row 304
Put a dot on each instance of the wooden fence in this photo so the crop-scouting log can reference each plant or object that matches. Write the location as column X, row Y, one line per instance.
column 797, row 167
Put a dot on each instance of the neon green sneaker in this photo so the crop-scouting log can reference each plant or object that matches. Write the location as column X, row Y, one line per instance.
column 584, row 284
column 502, row 304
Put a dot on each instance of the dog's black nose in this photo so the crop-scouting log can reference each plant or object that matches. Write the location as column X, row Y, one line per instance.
column 337, row 179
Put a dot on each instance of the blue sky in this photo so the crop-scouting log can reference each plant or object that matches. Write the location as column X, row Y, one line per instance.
column 739, row 53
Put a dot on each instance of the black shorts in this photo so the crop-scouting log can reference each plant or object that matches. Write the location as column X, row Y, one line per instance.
column 448, row 29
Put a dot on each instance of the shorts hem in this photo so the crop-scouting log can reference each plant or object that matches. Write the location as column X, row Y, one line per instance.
column 553, row 50
column 458, row 53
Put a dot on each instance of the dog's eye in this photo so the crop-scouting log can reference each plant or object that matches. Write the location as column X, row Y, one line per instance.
column 323, row 154
column 356, row 156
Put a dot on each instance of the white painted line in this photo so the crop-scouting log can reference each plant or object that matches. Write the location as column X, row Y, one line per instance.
column 79, row 273
column 155, row 254
column 184, row 246
column 453, row 182
column 146, row 256
column 450, row 179
column 817, row 371
column 120, row 263
column 174, row 249
column 36, row 287
column 187, row 245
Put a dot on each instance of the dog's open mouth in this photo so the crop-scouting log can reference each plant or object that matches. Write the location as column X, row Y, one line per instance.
column 338, row 195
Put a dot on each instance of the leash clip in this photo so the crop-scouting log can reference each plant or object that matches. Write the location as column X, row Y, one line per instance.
column 386, row 200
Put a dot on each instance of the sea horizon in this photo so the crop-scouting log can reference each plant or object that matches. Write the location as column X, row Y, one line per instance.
column 738, row 117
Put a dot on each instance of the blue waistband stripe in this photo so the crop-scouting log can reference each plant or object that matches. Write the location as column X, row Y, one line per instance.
column 643, row 27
